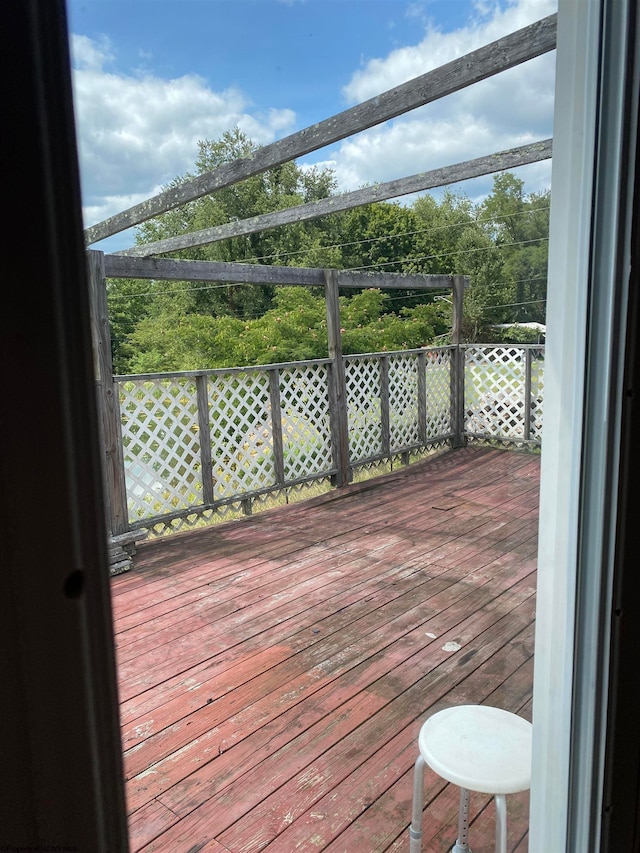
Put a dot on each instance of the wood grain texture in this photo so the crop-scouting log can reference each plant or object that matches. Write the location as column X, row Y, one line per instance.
column 509, row 159
column 507, row 52
column 108, row 401
column 171, row 269
column 275, row 672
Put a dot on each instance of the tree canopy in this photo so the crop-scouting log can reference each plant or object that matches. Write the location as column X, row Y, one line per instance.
column 501, row 243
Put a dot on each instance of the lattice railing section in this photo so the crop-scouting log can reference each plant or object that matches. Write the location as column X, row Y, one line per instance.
column 398, row 404
column 537, row 392
column 306, row 422
column 404, row 428
column 495, row 393
column 362, row 376
column 161, row 446
column 438, row 384
column 241, row 433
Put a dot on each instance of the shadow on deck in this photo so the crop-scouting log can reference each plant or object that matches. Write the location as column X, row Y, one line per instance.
column 274, row 672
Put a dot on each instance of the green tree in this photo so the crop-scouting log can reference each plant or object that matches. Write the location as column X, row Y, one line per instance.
column 501, row 244
column 300, row 244
column 519, row 226
column 128, row 302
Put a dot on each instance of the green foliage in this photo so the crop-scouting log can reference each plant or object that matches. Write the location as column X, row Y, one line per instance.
column 519, row 226
column 184, row 342
column 500, row 244
column 128, row 304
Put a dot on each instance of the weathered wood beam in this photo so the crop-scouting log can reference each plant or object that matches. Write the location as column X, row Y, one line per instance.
column 395, row 280
column 338, row 412
column 108, row 401
column 507, row 52
column 170, row 269
column 509, row 159
column 457, row 363
column 204, row 438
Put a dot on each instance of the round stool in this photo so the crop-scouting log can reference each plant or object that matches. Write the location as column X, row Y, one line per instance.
column 478, row 748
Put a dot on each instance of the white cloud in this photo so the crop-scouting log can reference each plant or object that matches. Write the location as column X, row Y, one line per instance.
column 438, row 47
column 510, row 109
column 90, row 55
column 136, row 133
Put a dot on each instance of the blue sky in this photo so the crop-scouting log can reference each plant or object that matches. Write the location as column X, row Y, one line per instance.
column 152, row 77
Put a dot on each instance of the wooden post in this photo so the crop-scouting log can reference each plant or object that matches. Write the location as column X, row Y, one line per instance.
column 422, row 397
column 338, row 386
column 527, row 392
column 204, row 432
column 276, row 425
column 108, row 402
column 457, row 362
column 385, row 416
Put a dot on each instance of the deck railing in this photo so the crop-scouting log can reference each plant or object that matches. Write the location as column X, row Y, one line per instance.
column 196, row 443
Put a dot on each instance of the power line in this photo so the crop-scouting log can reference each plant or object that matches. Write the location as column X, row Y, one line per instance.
column 512, row 304
column 187, row 289
column 399, row 234
column 205, row 287
column 449, row 254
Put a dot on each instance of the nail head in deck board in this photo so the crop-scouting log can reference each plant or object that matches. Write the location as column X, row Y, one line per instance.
column 507, row 52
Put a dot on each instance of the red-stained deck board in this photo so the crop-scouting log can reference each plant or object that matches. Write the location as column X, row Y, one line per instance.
column 274, row 671
column 311, row 615
column 304, row 650
column 235, row 799
column 316, row 652
column 307, row 652
column 313, row 619
column 283, row 712
column 367, row 789
column 190, row 793
column 340, row 757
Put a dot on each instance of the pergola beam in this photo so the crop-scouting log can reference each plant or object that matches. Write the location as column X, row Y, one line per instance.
column 488, row 165
column 507, row 52
column 170, row 269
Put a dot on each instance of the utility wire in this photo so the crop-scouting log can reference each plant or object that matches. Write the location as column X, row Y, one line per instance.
column 512, row 304
column 399, row 234
column 448, row 254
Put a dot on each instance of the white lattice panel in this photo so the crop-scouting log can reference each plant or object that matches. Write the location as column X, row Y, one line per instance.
column 306, row 428
column 494, row 391
column 438, row 373
column 362, row 377
column 199, row 518
column 241, row 433
column 537, row 393
column 161, row 446
column 403, row 401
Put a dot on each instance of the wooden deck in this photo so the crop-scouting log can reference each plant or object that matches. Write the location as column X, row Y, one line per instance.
column 274, row 672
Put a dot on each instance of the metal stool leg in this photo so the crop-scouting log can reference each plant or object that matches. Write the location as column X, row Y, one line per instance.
column 501, row 823
column 415, row 830
column 461, row 845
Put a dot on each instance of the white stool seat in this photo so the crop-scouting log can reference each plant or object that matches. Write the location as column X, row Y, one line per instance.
column 478, row 748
